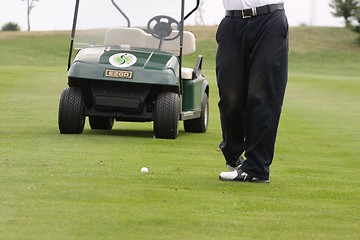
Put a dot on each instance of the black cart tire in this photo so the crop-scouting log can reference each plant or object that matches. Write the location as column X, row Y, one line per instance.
column 101, row 123
column 71, row 117
column 199, row 125
column 166, row 115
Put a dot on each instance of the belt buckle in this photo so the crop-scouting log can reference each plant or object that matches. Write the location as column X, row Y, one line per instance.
column 251, row 13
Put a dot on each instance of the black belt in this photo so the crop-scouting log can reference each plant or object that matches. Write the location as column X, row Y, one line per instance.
column 253, row 12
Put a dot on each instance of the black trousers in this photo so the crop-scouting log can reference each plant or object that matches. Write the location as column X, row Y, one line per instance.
column 251, row 69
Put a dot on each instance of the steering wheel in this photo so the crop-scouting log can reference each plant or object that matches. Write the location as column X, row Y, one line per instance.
column 161, row 27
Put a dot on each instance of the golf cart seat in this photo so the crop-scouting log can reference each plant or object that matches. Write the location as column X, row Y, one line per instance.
column 192, row 73
column 136, row 37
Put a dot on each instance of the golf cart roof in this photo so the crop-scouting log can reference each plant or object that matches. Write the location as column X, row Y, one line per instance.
column 131, row 24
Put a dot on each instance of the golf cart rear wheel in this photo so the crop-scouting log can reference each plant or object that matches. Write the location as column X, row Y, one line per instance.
column 71, row 111
column 101, row 123
column 166, row 115
column 199, row 125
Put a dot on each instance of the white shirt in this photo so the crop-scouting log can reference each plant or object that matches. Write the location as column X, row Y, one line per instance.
column 245, row 4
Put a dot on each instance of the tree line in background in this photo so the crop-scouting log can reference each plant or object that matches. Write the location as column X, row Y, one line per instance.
column 30, row 6
column 10, row 26
column 347, row 9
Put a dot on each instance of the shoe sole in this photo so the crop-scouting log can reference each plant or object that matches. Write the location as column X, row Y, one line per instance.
column 257, row 180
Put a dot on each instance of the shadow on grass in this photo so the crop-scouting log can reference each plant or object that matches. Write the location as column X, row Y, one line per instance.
column 134, row 133
column 121, row 132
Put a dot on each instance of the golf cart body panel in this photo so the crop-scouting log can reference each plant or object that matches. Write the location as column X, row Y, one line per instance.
column 150, row 67
column 133, row 71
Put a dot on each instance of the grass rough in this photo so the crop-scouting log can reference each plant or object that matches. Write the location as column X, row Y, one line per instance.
column 89, row 186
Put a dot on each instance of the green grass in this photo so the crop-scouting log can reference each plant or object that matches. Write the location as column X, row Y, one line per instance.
column 89, row 186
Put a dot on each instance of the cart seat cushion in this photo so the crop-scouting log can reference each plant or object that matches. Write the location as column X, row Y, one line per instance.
column 136, row 37
column 187, row 73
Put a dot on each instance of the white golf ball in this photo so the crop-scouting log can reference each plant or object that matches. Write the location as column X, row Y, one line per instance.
column 144, row 170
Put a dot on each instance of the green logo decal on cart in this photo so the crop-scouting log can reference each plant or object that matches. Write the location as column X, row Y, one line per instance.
column 122, row 60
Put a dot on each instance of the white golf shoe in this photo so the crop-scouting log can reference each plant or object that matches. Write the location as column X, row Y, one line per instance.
column 240, row 176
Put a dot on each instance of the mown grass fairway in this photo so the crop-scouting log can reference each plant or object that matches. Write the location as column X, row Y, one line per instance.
column 89, row 186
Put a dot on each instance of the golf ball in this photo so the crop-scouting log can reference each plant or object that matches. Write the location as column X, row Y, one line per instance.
column 144, row 170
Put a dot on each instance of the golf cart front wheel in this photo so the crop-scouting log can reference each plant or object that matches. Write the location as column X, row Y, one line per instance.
column 166, row 115
column 199, row 125
column 71, row 117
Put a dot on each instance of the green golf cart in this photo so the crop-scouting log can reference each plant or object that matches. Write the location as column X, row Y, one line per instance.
column 128, row 67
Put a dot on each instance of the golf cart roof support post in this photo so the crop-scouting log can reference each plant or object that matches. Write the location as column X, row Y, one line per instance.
column 122, row 13
column 181, row 35
column 73, row 32
column 181, row 43
column 192, row 11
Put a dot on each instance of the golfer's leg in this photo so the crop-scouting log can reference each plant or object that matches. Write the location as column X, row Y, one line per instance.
column 230, row 78
column 268, row 77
